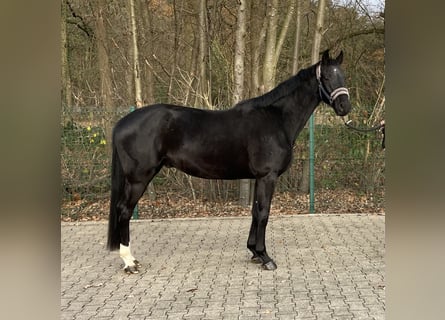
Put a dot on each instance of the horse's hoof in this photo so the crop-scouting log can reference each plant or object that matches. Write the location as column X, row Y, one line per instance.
column 131, row 269
column 256, row 259
column 269, row 265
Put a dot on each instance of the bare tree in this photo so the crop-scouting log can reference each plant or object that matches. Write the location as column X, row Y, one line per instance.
column 315, row 56
column 257, row 44
column 177, row 23
column 274, row 44
column 204, row 88
column 299, row 5
column 135, row 51
column 240, row 50
column 146, row 23
column 304, row 182
column 66, row 81
column 106, row 86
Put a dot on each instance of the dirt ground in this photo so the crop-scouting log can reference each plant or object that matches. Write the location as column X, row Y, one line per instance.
column 174, row 206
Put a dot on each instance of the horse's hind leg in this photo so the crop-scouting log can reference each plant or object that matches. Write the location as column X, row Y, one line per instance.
column 133, row 192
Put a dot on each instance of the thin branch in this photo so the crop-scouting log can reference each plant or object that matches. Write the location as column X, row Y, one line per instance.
column 360, row 33
column 82, row 25
column 160, row 63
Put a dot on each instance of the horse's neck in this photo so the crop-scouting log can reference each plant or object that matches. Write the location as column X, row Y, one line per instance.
column 306, row 99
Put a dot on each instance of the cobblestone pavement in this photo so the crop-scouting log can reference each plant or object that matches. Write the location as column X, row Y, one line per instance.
column 329, row 267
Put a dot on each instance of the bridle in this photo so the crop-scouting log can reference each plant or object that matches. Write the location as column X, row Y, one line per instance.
column 324, row 94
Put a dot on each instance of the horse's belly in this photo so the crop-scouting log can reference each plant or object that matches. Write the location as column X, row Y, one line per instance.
column 208, row 166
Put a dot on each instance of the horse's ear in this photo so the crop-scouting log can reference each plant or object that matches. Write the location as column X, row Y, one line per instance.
column 325, row 57
column 339, row 58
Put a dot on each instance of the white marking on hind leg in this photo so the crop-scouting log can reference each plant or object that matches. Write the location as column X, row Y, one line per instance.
column 125, row 254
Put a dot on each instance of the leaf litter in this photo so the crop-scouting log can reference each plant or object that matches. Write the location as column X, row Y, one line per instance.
column 176, row 206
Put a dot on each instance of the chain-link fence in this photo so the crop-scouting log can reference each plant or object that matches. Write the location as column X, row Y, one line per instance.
column 344, row 161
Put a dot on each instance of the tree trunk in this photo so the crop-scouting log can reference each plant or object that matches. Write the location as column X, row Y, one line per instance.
column 299, row 4
column 240, row 50
column 135, row 51
column 137, row 76
column 256, row 48
column 269, row 55
column 303, row 186
column 283, row 33
column 106, row 87
column 177, row 30
column 274, row 45
column 147, row 51
column 66, row 79
column 240, row 45
column 315, row 57
column 203, row 90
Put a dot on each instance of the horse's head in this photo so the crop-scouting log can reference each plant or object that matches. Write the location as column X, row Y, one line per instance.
column 331, row 83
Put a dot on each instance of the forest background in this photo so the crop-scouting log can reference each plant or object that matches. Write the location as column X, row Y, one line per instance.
column 118, row 55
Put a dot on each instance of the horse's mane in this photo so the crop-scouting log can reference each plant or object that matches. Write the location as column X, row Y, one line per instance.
column 283, row 89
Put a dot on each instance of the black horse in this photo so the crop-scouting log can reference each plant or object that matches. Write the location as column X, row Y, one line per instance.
column 252, row 140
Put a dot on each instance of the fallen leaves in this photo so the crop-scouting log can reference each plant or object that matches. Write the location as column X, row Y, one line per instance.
column 175, row 206
column 100, row 284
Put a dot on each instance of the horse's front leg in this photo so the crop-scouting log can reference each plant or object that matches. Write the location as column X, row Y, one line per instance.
column 251, row 241
column 263, row 192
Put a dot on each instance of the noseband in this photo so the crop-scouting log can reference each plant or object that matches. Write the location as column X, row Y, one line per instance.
column 324, row 92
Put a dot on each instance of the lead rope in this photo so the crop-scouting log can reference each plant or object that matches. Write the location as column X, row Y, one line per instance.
column 380, row 127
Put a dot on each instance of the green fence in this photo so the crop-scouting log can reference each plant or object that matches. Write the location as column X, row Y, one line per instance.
column 347, row 164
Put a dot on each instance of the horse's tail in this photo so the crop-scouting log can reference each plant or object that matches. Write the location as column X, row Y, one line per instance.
column 117, row 189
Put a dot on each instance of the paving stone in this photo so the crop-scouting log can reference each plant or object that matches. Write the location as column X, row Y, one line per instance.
column 329, row 267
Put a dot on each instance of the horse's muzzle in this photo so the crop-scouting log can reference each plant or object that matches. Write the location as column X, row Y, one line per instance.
column 342, row 105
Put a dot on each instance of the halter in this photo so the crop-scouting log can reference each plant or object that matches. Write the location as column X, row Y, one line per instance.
column 324, row 92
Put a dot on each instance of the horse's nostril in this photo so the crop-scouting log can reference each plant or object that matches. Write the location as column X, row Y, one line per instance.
column 342, row 109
